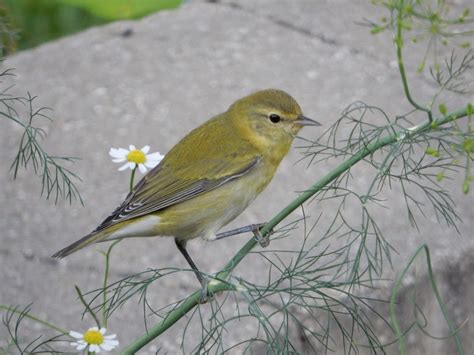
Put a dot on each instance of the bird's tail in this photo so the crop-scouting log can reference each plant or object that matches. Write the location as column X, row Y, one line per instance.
column 81, row 243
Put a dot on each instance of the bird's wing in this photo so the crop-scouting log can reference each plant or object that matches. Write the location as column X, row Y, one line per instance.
column 165, row 186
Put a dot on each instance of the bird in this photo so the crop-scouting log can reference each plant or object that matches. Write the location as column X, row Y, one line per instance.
column 209, row 177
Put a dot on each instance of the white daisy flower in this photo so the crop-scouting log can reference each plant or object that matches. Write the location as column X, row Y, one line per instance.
column 135, row 157
column 95, row 339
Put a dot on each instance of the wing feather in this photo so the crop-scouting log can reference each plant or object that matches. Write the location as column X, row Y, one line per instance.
column 185, row 173
column 164, row 187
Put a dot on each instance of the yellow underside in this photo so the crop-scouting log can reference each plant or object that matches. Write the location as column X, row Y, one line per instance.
column 201, row 216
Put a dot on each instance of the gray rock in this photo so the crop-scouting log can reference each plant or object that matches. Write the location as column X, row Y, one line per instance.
column 174, row 71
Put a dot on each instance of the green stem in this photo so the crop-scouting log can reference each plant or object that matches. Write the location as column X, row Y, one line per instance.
column 434, row 287
column 36, row 319
column 401, row 65
column 132, row 177
column 381, row 170
column 218, row 286
column 87, row 306
column 107, row 260
column 189, row 303
column 106, row 276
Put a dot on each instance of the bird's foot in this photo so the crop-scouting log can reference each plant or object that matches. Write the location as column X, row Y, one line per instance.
column 264, row 241
column 205, row 295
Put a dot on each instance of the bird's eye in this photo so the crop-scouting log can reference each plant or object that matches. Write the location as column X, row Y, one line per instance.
column 274, row 118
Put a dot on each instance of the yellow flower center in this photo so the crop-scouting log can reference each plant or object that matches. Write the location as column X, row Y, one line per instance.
column 93, row 337
column 136, row 156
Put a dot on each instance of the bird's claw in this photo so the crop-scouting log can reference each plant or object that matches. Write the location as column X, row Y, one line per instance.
column 205, row 296
column 263, row 241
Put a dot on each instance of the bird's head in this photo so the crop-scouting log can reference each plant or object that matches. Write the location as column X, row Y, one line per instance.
column 270, row 117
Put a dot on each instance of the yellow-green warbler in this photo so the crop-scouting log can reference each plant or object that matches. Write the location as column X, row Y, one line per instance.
column 209, row 177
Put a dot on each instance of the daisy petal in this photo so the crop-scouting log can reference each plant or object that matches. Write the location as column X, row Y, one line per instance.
column 94, row 348
column 128, row 165
column 76, row 335
column 145, row 149
column 132, row 147
column 107, row 343
column 142, row 168
column 151, row 164
column 111, row 342
column 155, row 156
column 107, row 347
column 118, row 153
column 81, row 346
column 119, row 160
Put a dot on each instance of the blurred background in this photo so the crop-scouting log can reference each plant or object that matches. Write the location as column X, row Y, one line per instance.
column 28, row 23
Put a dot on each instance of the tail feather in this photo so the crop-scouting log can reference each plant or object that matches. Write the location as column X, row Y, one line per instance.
column 79, row 244
column 139, row 227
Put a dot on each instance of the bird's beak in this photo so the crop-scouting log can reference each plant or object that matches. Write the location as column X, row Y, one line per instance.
column 305, row 121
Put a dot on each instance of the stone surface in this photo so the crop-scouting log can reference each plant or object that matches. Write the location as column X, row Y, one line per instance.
column 175, row 70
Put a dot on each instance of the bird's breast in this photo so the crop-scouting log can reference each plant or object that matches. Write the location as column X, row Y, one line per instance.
column 206, row 214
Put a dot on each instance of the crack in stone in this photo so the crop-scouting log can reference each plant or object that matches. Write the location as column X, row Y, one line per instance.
column 303, row 31
column 288, row 25
column 306, row 32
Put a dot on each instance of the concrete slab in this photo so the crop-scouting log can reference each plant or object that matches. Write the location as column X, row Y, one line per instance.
column 176, row 70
